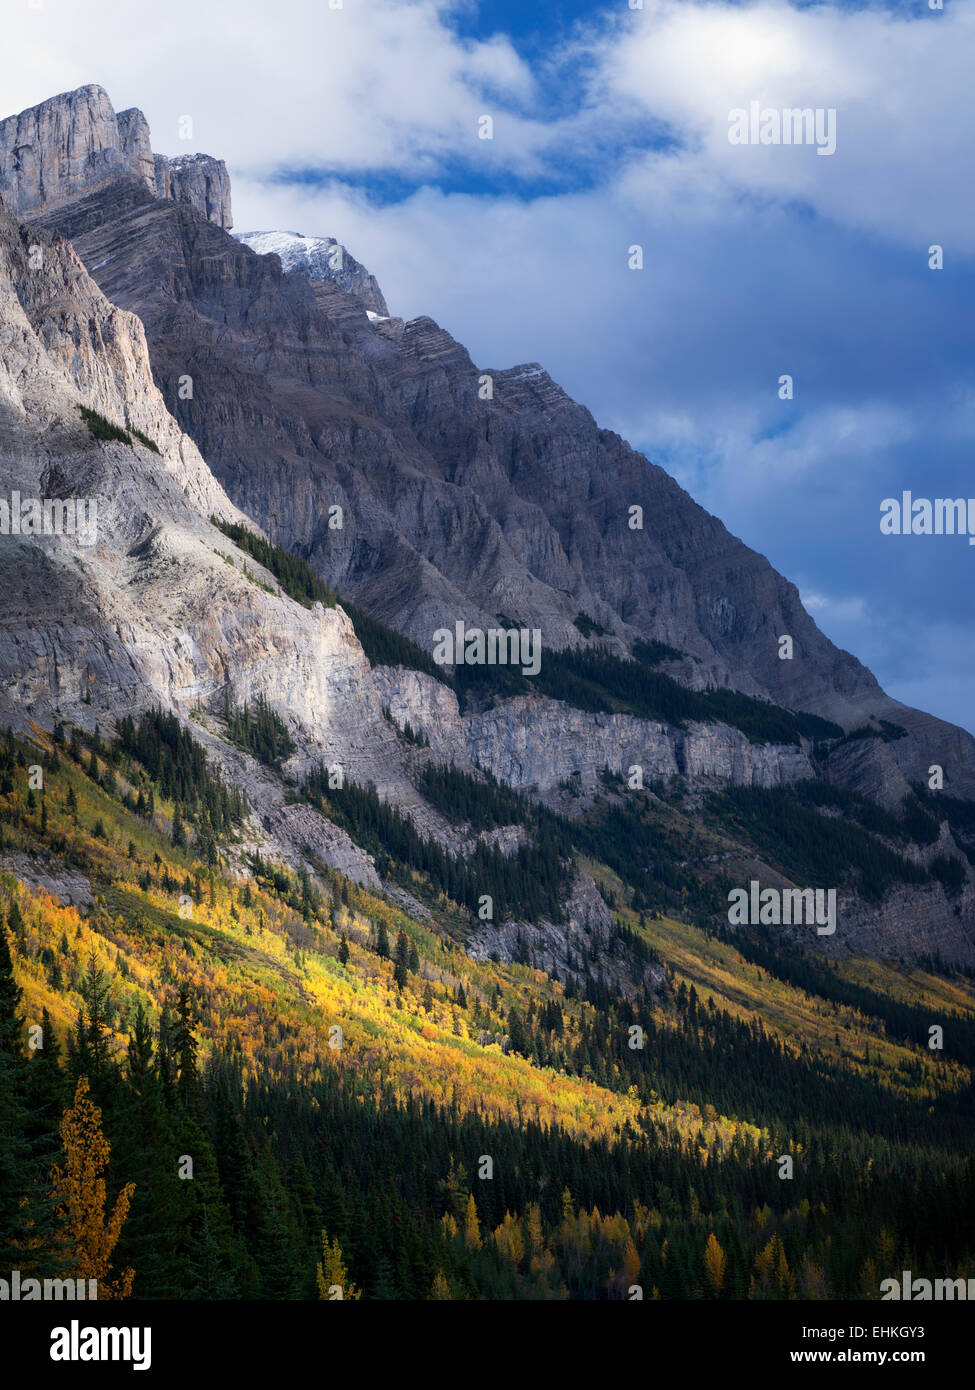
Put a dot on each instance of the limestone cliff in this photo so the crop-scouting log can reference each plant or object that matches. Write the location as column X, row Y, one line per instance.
column 74, row 143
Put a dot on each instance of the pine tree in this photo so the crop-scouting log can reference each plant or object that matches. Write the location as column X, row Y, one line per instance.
column 46, row 1084
column 344, row 950
column 11, row 1024
column 335, row 1210
column 382, row 941
column 16, row 1217
column 89, row 1054
column 144, row 1152
column 184, row 1050
column 401, row 970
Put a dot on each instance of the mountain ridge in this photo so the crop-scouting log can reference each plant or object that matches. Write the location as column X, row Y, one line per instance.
column 512, row 506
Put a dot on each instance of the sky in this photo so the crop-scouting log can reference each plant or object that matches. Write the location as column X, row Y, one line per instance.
column 610, row 130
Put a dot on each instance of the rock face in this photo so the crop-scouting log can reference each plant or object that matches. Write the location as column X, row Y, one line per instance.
column 133, row 129
column 322, row 259
column 198, row 180
column 154, row 606
column 454, row 505
column 69, row 146
column 587, row 928
column 533, row 744
column 457, row 502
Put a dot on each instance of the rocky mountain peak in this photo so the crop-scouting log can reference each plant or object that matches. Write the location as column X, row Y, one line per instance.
column 75, row 143
column 197, row 179
column 322, row 259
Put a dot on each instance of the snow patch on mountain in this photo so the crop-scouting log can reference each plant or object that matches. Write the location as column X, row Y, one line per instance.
column 320, row 258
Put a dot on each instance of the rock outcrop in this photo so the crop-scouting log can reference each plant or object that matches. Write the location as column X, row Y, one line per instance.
column 71, row 145
column 198, row 180
column 67, row 147
column 153, row 605
column 534, row 744
column 322, row 259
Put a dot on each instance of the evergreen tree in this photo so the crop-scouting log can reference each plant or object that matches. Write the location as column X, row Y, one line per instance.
column 16, row 1216
column 183, row 1050
column 401, row 969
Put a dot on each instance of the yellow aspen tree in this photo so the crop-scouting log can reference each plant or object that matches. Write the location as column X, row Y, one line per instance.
column 631, row 1263
column 813, row 1279
column 765, row 1262
column 787, row 1283
column 533, row 1226
column 472, row 1227
column 510, row 1240
column 331, row 1275
column 440, row 1292
column 79, row 1194
column 714, row 1264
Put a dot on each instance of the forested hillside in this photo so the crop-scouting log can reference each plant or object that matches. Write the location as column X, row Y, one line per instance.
column 365, row 1106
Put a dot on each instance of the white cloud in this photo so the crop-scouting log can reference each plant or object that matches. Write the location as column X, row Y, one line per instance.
column 831, row 612
column 900, row 85
column 377, row 84
column 388, row 85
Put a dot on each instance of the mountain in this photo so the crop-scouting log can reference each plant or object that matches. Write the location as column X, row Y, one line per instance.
column 339, row 921
column 455, row 506
column 473, row 495
column 65, row 148
column 322, row 259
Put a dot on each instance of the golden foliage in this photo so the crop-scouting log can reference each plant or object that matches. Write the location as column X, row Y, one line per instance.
column 79, row 1193
column 331, row 1275
column 714, row 1264
column 440, row 1292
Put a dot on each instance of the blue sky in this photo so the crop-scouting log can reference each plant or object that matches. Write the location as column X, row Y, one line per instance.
column 610, row 130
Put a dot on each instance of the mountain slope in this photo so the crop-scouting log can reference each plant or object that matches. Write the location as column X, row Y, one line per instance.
column 340, row 924
column 453, row 506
